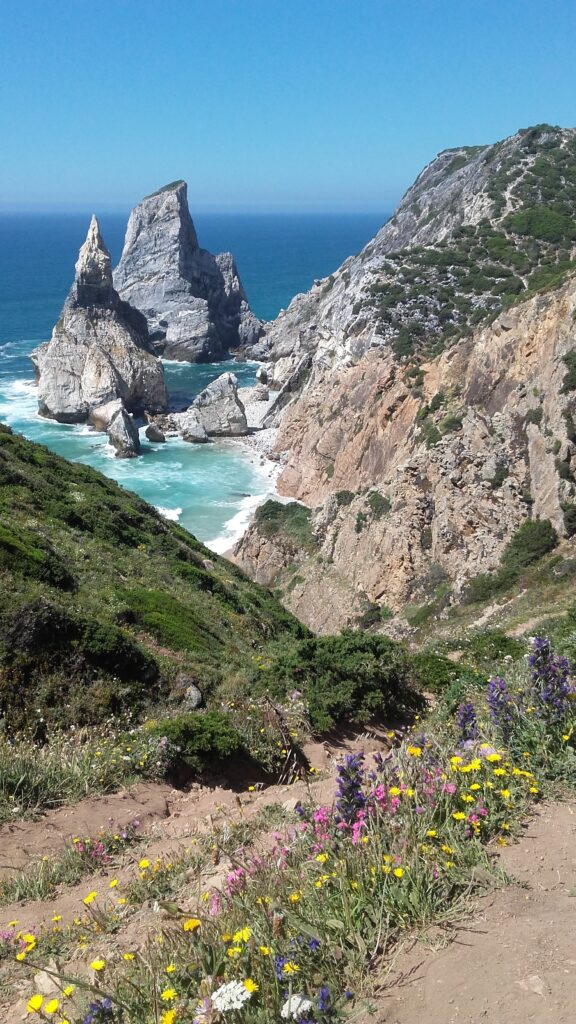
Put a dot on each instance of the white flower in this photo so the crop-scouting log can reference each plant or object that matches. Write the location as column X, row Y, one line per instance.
column 294, row 1006
column 230, row 996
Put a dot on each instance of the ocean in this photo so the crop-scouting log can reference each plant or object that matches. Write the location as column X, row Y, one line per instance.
column 212, row 489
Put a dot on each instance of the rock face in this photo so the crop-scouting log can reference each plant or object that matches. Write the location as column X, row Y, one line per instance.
column 422, row 452
column 194, row 303
column 123, row 435
column 99, row 351
column 216, row 412
column 154, row 434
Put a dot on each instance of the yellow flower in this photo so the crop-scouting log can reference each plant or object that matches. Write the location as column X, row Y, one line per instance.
column 386, row 869
column 290, row 967
column 243, row 935
column 51, row 1007
column 143, row 863
column 57, row 917
column 250, row 985
column 98, row 965
column 498, row 771
column 475, row 786
column 168, row 1017
column 168, row 995
column 170, row 969
column 321, row 858
column 394, row 791
column 191, row 924
column 414, row 751
column 113, row 883
column 446, row 849
column 505, row 793
column 233, row 952
column 121, row 901
column 35, row 1004
column 264, row 950
column 448, row 863
column 467, row 798
column 21, row 956
column 89, row 898
column 399, row 872
column 458, row 815
column 295, row 896
column 68, row 990
column 493, row 757
column 456, row 759
column 127, row 956
column 432, row 833
column 533, row 789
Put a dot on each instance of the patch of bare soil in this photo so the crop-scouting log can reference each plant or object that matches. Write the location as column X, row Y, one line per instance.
column 514, row 961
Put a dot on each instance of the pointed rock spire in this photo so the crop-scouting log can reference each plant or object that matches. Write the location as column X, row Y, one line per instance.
column 93, row 283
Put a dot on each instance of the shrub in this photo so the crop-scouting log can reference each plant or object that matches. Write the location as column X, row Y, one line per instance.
column 569, row 511
column 569, row 381
column 535, row 415
column 379, row 504
column 199, row 737
column 348, row 678
column 291, row 519
column 344, row 498
column 532, row 540
column 433, row 671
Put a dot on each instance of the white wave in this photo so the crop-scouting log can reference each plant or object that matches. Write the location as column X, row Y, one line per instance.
column 237, row 525
column 173, row 514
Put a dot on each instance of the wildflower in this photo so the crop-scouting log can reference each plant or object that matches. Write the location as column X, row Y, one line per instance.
column 466, row 721
column 550, row 678
column 143, row 864
column 113, row 883
column 295, row 897
column 324, row 999
column 127, row 956
column 35, row 1004
column 414, row 751
column 295, row 1006
column 233, row 952
column 170, row 969
column 321, row 858
column 243, row 935
column 350, row 799
column 501, row 706
column 314, row 945
column 505, row 793
column 68, row 990
column 230, row 996
column 98, row 965
column 250, row 985
column 432, row 833
column 57, row 917
column 168, row 995
column 191, row 924
column 264, row 950
column 168, row 1017
column 458, row 815
column 51, row 1006
column 89, row 898
column 290, row 967
column 399, row 872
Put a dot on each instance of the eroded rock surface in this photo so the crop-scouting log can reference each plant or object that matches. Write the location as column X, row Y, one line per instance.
column 194, row 302
column 99, row 351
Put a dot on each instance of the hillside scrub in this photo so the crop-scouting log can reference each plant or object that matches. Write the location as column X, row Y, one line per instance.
column 302, row 933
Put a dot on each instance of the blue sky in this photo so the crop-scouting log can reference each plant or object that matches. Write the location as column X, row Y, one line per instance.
column 266, row 104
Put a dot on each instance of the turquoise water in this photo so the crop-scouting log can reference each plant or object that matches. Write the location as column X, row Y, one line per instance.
column 210, row 489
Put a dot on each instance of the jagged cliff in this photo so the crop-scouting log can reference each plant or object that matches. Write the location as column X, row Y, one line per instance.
column 429, row 401
column 194, row 302
column 99, row 350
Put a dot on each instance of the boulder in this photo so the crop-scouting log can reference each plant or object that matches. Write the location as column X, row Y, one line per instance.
column 262, row 375
column 260, row 393
column 99, row 351
column 101, row 416
column 194, row 302
column 123, row 435
column 153, row 433
column 219, row 408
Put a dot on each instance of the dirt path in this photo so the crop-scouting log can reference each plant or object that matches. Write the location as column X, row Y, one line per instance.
column 514, row 962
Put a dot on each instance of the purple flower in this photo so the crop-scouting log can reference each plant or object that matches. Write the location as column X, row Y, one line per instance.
column 324, row 998
column 550, row 674
column 314, row 945
column 350, row 799
column 467, row 722
column 279, row 964
column 501, row 706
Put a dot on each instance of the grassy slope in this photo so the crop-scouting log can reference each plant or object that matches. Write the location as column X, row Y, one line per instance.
column 103, row 603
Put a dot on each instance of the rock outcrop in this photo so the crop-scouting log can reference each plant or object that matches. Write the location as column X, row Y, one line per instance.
column 123, row 435
column 99, row 351
column 216, row 412
column 426, row 410
column 194, row 302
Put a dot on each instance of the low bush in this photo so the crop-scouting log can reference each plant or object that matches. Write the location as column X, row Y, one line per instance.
column 198, row 738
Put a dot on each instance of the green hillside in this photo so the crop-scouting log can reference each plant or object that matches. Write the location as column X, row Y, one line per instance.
column 107, row 608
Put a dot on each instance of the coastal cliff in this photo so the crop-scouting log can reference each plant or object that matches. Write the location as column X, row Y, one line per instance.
column 194, row 302
column 429, row 392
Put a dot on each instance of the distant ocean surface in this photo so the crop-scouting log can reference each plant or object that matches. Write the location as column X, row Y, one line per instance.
column 210, row 489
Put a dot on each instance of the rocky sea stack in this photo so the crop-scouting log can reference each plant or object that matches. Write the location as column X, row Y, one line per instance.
column 194, row 302
column 99, row 350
